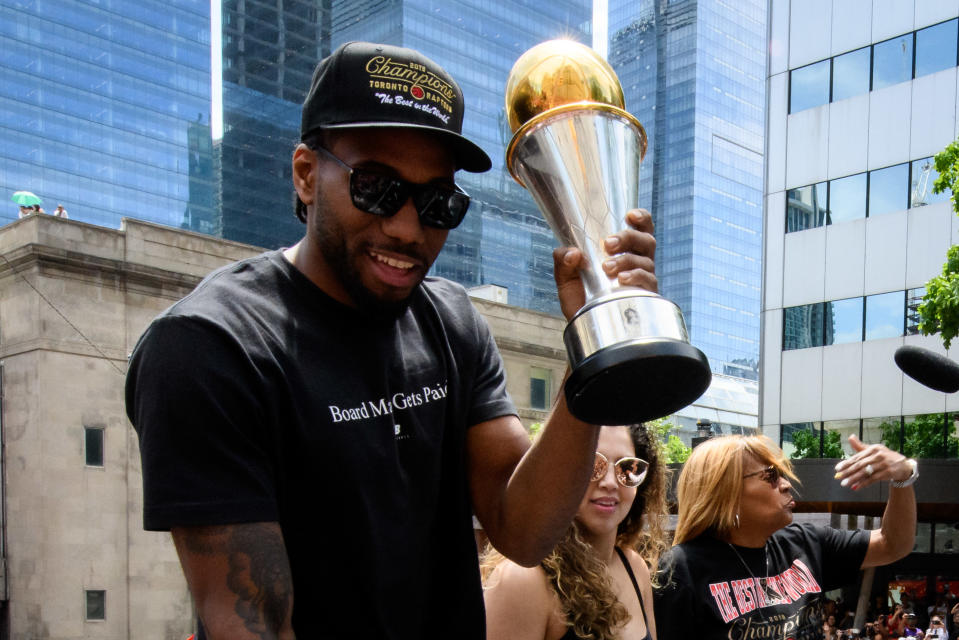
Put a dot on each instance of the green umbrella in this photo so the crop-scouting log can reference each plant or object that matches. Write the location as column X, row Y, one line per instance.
column 26, row 198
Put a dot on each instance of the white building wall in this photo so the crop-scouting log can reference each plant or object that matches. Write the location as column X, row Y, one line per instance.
column 851, row 25
column 892, row 252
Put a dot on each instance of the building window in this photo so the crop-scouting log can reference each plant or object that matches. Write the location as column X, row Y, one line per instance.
column 835, row 440
column 892, row 61
column 924, row 436
column 913, row 300
column 847, row 199
column 843, row 321
column 884, row 430
column 96, row 604
column 809, row 86
column 930, row 435
column 539, row 388
column 806, row 207
column 923, row 542
column 885, row 315
column 801, row 439
column 850, row 74
column 947, row 538
column 803, row 326
column 936, row 48
column 889, row 190
column 93, row 437
column 923, row 177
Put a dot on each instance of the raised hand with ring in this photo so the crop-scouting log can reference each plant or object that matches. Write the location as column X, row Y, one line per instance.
column 873, row 463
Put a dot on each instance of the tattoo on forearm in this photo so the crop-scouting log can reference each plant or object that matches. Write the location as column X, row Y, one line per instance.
column 259, row 574
column 258, row 571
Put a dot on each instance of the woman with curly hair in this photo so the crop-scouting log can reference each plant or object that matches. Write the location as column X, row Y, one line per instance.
column 595, row 584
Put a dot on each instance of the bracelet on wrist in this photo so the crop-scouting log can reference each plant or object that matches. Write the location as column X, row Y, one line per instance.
column 900, row 484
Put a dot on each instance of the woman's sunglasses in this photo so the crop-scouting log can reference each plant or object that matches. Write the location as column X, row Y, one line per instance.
column 629, row 472
column 438, row 206
column 770, row 474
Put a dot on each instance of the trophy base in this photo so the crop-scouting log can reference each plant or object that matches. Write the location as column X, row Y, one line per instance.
column 631, row 359
column 637, row 381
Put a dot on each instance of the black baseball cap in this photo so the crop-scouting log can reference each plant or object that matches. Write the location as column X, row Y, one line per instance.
column 363, row 84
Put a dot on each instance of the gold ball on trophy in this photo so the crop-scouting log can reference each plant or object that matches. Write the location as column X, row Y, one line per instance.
column 555, row 73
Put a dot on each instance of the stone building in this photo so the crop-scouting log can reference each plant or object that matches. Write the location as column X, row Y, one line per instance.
column 74, row 298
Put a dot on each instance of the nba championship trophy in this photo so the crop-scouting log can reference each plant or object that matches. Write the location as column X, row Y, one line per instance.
column 578, row 153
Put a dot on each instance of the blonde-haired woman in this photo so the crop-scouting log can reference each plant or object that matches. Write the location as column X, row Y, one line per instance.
column 596, row 582
column 741, row 569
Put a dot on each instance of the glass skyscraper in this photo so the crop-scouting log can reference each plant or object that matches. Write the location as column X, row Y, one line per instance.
column 105, row 108
column 270, row 48
column 693, row 73
column 504, row 239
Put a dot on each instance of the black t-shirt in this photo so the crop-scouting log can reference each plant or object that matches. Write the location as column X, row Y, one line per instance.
column 259, row 398
column 708, row 591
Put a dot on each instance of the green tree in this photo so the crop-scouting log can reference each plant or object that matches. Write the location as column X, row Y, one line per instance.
column 923, row 437
column 807, row 445
column 673, row 448
column 534, row 430
column 939, row 311
column 832, row 445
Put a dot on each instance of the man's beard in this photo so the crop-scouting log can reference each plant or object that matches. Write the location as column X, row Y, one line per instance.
column 332, row 242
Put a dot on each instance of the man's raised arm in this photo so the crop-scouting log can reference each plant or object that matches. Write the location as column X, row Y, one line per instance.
column 525, row 496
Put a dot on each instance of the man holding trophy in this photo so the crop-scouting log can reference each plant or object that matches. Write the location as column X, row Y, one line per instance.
column 322, row 421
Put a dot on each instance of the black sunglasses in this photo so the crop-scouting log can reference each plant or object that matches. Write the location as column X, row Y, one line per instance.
column 770, row 474
column 438, row 206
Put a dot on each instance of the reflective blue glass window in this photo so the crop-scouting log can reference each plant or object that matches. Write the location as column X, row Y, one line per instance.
column 803, row 326
column 809, row 86
column 924, row 176
column 885, row 315
column 847, row 198
column 913, row 300
column 843, row 320
column 892, row 61
column 806, row 207
column 888, row 189
column 850, row 74
column 936, row 48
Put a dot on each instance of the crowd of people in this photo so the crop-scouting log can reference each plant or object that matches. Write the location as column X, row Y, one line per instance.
column 912, row 617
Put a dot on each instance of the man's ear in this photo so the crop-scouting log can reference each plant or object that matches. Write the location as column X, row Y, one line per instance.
column 304, row 161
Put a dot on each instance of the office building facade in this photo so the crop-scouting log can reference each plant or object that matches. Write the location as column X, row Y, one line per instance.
column 105, row 108
column 504, row 239
column 269, row 49
column 121, row 109
column 861, row 95
column 692, row 72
